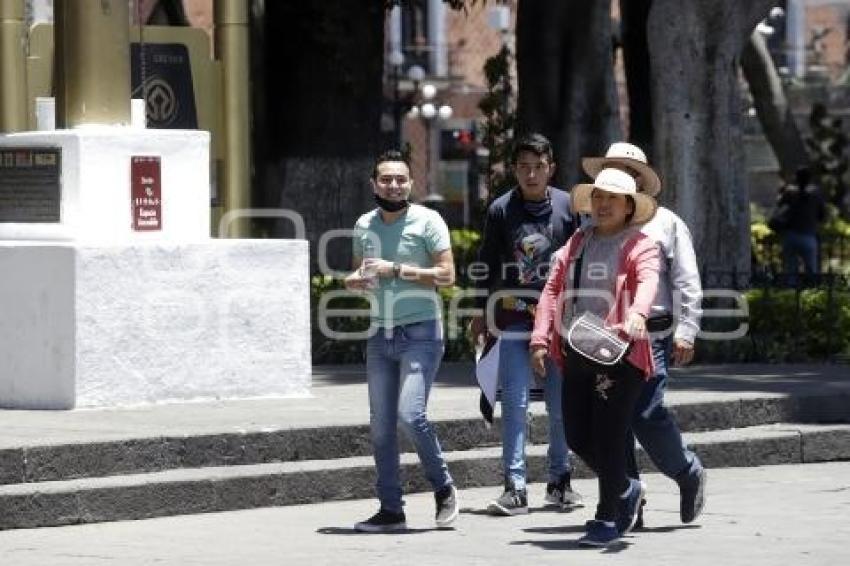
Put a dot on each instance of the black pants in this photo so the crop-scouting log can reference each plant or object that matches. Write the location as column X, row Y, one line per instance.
column 598, row 404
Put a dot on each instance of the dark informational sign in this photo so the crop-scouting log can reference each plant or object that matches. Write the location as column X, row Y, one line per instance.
column 146, row 193
column 30, row 184
column 164, row 80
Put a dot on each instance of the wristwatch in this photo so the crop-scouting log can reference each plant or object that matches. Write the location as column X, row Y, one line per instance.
column 396, row 269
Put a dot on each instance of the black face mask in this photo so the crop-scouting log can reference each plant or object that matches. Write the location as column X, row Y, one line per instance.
column 539, row 208
column 390, row 205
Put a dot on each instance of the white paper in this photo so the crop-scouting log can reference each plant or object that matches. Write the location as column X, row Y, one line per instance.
column 487, row 371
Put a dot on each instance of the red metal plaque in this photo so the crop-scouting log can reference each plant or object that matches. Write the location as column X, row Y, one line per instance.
column 146, row 193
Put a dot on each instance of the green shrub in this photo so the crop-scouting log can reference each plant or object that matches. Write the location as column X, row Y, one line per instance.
column 465, row 244
column 833, row 237
column 326, row 350
column 766, row 247
column 786, row 325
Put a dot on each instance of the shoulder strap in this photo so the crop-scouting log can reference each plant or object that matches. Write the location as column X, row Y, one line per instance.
column 577, row 271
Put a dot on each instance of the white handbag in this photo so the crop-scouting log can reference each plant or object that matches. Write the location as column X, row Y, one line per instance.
column 588, row 336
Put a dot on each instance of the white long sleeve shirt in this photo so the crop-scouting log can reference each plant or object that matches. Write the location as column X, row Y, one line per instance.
column 679, row 287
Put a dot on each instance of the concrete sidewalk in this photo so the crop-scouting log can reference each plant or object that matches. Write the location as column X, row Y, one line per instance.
column 761, row 516
column 86, row 466
column 339, row 399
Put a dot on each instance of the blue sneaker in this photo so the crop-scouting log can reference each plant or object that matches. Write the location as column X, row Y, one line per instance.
column 628, row 507
column 598, row 534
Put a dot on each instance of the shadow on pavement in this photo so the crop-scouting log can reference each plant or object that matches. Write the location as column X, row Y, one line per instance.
column 350, row 531
column 483, row 512
column 559, row 530
column 667, row 529
column 572, row 544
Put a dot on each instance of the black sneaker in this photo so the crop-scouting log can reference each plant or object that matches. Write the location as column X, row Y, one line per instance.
column 692, row 495
column 639, row 522
column 512, row 502
column 382, row 522
column 447, row 506
column 561, row 493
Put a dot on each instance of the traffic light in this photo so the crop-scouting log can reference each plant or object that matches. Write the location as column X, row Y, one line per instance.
column 457, row 143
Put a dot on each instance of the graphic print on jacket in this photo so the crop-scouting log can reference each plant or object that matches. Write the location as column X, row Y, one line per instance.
column 533, row 248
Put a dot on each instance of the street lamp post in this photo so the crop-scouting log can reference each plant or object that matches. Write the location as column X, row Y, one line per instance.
column 396, row 60
column 427, row 107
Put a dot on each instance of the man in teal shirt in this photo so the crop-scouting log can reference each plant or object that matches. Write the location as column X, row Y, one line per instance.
column 401, row 254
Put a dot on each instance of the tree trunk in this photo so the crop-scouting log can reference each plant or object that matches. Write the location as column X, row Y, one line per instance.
column 633, row 19
column 772, row 107
column 694, row 48
column 323, row 95
column 566, row 79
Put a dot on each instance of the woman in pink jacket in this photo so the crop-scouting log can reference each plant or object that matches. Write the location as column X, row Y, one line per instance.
column 617, row 280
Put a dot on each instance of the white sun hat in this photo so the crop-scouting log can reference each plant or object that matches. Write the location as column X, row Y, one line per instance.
column 617, row 182
column 630, row 157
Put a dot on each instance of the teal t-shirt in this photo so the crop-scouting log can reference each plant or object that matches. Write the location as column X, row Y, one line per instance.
column 413, row 239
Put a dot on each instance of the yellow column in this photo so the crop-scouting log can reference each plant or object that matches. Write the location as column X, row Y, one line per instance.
column 232, row 49
column 92, row 62
column 13, row 79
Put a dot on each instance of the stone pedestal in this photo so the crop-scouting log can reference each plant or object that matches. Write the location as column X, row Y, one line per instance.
column 103, row 326
column 95, row 314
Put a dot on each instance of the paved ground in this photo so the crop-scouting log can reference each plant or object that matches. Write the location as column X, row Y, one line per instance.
column 339, row 398
column 794, row 515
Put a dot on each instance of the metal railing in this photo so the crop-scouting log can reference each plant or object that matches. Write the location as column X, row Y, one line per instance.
column 788, row 316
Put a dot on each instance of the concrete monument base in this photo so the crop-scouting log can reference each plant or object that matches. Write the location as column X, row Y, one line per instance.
column 94, row 325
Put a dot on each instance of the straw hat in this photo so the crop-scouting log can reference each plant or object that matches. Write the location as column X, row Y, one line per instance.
column 622, row 154
column 618, row 182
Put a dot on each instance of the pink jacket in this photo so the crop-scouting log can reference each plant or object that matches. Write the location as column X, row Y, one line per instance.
column 637, row 277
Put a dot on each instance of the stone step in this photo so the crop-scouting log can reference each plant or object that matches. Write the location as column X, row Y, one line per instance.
column 65, row 461
column 224, row 488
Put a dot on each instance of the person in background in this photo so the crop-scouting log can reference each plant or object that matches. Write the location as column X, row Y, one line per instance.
column 802, row 208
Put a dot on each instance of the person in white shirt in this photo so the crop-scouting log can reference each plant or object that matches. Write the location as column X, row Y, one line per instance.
column 674, row 323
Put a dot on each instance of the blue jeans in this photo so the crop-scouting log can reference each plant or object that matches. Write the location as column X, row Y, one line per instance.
column 400, row 370
column 798, row 246
column 654, row 426
column 515, row 378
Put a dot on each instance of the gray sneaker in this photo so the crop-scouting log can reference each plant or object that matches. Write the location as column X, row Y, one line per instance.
column 561, row 493
column 447, row 506
column 512, row 502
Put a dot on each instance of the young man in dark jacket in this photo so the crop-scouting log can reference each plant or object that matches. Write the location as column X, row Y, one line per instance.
column 523, row 228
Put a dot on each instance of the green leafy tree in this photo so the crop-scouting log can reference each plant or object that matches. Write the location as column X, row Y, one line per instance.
column 497, row 125
column 827, row 146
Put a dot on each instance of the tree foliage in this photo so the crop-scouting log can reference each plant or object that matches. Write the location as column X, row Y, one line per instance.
column 497, row 105
column 827, row 146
